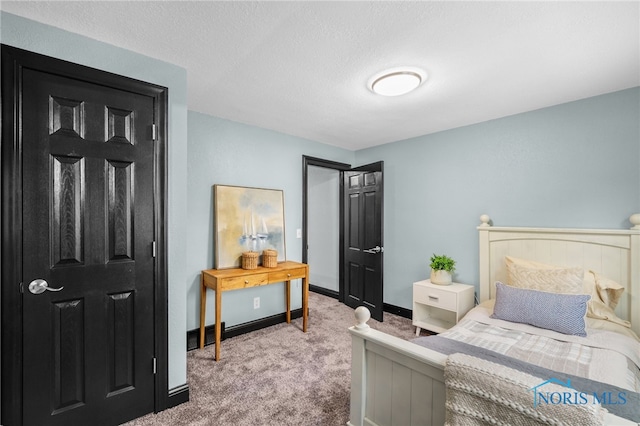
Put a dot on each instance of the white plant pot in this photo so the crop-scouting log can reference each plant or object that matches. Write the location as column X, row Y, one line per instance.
column 440, row 277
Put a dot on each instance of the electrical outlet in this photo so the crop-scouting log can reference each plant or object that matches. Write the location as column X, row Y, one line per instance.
column 256, row 302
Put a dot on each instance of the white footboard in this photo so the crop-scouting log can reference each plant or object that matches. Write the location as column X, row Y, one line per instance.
column 394, row 382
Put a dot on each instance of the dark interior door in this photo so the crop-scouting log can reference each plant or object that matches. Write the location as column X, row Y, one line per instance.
column 88, row 215
column 363, row 238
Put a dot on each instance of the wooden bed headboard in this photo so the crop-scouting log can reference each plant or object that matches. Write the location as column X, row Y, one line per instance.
column 614, row 253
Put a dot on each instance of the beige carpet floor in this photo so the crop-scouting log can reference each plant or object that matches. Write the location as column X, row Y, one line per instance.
column 278, row 375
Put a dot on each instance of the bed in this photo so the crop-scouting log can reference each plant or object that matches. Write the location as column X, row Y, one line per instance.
column 399, row 382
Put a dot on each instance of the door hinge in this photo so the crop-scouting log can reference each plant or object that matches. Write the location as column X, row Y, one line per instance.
column 154, row 132
column 21, row 288
column 153, row 249
column 154, row 366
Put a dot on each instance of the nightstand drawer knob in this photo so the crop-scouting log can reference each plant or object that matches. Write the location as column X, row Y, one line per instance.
column 434, row 298
column 246, row 281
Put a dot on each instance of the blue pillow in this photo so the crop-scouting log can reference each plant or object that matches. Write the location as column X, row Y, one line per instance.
column 559, row 312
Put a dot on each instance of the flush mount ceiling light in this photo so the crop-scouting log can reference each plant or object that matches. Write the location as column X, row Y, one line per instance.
column 396, row 82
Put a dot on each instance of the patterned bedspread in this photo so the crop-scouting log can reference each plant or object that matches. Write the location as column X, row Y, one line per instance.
column 567, row 357
column 604, row 356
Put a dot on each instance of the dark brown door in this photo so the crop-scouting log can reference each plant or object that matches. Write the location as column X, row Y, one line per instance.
column 88, row 235
column 363, row 238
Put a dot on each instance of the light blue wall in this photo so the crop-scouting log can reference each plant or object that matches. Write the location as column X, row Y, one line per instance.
column 50, row 41
column 230, row 153
column 571, row 165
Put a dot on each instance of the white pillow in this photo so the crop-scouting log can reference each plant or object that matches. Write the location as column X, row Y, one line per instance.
column 542, row 277
column 609, row 291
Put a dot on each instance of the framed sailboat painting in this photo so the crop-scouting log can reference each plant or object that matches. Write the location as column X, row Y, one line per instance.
column 247, row 219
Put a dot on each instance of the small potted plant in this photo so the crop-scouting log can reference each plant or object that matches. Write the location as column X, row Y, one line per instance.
column 441, row 269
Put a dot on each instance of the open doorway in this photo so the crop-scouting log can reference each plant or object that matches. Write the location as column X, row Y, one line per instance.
column 322, row 228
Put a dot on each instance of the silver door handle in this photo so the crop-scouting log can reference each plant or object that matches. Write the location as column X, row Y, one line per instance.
column 374, row 250
column 39, row 286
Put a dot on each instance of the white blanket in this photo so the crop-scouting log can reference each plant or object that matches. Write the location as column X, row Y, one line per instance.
column 480, row 392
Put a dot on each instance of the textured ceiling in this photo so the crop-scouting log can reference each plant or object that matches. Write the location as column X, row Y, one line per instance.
column 302, row 68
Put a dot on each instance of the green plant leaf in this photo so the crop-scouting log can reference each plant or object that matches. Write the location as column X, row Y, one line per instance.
column 443, row 263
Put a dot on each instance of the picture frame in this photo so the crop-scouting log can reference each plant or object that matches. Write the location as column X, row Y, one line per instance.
column 247, row 219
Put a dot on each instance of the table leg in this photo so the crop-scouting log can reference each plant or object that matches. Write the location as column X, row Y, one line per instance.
column 203, row 307
column 218, row 321
column 287, row 286
column 305, row 299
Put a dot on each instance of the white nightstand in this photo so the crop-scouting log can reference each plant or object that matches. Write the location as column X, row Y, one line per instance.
column 440, row 307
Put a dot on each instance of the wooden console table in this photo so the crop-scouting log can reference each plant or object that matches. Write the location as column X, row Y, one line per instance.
column 220, row 280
